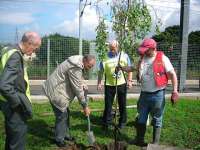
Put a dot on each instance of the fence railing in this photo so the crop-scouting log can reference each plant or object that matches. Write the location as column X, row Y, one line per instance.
column 55, row 51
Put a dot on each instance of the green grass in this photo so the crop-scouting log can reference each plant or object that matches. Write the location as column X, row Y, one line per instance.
column 181, row 126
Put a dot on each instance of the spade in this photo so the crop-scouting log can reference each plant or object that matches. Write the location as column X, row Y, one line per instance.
column 90, row 134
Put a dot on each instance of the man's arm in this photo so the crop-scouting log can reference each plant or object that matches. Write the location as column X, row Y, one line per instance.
column 130, row 74
column 174, row 95
column 100, row 77
column 173, row 77
column 129, row 82
column 7, row 79
column 75, row 77
column 127, row 68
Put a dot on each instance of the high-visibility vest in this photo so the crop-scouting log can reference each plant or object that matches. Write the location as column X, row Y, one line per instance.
column 160, row 75
column 4, row 58
column 109, row 65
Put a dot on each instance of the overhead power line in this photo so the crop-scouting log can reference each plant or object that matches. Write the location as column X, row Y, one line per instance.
column 171, row 7
column 39, row 1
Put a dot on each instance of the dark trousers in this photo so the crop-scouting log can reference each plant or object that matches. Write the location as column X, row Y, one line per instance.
column 110, row 92
column 15, row 127
column 61, row 124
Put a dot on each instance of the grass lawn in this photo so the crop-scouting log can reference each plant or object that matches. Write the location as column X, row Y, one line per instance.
column 181, row 126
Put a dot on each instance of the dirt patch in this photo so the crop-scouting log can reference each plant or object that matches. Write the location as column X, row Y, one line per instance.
column 110, row 146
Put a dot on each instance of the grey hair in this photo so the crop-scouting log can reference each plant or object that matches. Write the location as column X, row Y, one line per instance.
column 89, row 57
column 30, row 37
column 114, row 43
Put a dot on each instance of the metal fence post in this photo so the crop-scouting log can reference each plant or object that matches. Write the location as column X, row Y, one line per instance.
column 184, row 23
column 80, row 27
column 48, row 57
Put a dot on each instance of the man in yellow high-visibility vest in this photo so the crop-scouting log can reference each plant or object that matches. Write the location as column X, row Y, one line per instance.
column 107, row 67
column 15, row 100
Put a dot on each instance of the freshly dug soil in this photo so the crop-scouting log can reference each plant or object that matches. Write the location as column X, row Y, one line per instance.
column 110, row 146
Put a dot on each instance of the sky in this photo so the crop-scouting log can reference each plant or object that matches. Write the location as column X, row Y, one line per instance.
column 62, row 16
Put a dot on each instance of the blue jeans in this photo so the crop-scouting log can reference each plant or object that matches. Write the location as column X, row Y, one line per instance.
column 153, row 103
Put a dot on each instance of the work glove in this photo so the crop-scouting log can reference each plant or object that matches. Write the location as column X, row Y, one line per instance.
column 174, row 97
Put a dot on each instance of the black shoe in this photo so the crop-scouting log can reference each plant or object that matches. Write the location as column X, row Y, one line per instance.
column 121, row 125
column 106, row 126
column 69, row 138
column 60, row 143
column 138, row 143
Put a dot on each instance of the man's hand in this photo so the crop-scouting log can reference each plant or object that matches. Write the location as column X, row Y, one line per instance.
column 85, row 87
column 174, row 97
column 18, row 109
column 130, row 83
column 118, row 68
column 99, row 86
column 86, row 111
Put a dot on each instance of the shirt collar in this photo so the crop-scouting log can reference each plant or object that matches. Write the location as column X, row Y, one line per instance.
column 110, row 54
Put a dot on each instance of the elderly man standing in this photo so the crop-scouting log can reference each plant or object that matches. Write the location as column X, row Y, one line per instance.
column 154, row 69
column 14, row 89
column 108, row 68
column 61, row 87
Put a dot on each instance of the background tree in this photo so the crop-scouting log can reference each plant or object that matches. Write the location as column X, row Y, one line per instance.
column 101, row 38
column 194, row 37
column 131, row 22
column 169, row 43
column 172, row 35
column 61, row 47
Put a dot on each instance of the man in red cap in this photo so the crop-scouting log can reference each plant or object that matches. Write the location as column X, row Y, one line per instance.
column 154, row 69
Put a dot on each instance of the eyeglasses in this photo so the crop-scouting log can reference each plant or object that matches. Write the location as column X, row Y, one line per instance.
column 90, row 65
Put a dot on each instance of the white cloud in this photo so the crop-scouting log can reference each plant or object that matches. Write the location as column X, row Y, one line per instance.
column 89, row 23
column 169, row 13
column 15, row 18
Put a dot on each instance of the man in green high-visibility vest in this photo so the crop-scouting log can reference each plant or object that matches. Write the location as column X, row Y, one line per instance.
column 112, row 86
column 15, row 100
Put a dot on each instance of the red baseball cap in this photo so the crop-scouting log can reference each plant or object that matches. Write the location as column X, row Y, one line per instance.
column 146, row 44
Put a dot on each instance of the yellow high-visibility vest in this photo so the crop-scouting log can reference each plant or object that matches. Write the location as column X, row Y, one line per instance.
column 109, row 65
column 4, row 58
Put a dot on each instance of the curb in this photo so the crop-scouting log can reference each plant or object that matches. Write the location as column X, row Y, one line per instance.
column 43, row 99
column 94, row 82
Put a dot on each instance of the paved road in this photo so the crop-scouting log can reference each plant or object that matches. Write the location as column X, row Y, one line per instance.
column 37, row 89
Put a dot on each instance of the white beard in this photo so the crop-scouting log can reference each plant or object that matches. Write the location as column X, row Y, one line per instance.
column 29, row 58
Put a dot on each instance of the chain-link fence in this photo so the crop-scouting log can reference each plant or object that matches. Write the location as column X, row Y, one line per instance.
column 193, row 60
column 54, row 51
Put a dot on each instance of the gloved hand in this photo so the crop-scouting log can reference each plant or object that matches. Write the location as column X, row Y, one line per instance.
column 118, row 68
column 174, row 97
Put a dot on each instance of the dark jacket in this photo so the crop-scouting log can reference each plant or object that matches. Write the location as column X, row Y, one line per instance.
column 13, row 86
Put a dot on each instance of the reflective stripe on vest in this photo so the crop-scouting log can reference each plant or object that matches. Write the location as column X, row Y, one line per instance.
column 160, row 74
column 6, row 55
column 109, row 65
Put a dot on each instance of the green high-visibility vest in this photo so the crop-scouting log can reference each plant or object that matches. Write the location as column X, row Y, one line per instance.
column 109, row 65
column 4, row 58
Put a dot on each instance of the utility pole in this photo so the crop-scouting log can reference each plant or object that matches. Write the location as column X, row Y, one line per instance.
column 80, row 26
column 184, row 29
column 16, row 35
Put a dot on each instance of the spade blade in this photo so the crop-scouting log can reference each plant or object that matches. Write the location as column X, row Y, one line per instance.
column 91, row 138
